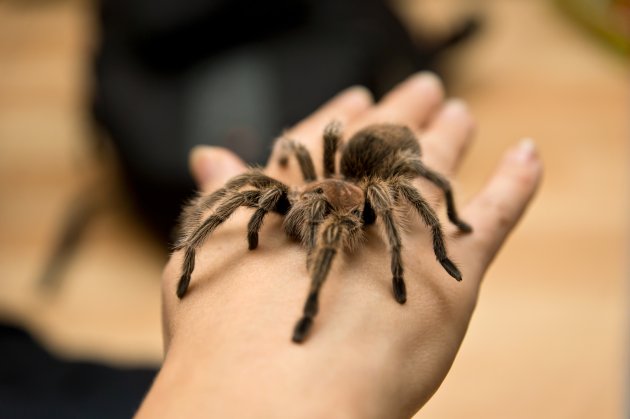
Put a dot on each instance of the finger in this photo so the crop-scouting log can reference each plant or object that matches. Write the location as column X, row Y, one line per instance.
column 447, row 137
column 411, row 103
column 344, row 107
column 497, row 209
column 211, row 167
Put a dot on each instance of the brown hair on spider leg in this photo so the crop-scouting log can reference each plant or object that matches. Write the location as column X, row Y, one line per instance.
column 193, row 212
column 332, row 140
column 274, row 198
column 379, row 196
column 287, row 147
column 337, row 233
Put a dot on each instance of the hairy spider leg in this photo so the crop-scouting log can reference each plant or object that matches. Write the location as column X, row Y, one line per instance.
column 332, row 140
column 194, row 211
column 430, row 218
column 273, row 199
column 334, row 232
column 442, row 183
column 253, row 227
column 378, row 194
column 413, row 165
column 317, row 211
column 232, row 202
column 304, row 219
column 288, row 146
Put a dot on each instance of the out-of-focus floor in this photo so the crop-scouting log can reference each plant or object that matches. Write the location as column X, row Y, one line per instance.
column 548, row 339
column 109, row 305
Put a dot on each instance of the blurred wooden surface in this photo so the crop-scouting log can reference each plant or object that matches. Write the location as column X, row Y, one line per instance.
column 548, row 339
column 108, row 307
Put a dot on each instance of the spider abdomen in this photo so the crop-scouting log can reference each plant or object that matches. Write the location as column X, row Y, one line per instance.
column 371, row 151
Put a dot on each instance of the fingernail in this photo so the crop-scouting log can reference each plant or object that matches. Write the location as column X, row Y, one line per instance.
column 426, row 78
column 360, row 93
column 526, row 150
column 455, row 107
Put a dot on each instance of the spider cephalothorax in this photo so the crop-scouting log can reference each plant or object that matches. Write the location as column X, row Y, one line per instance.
column 328, row 215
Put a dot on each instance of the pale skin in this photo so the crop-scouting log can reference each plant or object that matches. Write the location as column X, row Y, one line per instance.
column 228, row 341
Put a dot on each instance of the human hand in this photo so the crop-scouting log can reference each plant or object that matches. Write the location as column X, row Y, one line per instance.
column 228, row 347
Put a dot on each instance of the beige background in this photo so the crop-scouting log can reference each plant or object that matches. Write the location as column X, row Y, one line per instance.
column 548, row 339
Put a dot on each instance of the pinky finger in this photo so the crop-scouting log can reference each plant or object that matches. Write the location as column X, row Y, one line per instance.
column 495, row 211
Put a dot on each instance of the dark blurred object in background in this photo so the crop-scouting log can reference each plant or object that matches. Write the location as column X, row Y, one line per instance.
column 174, row 74
column 35, row 384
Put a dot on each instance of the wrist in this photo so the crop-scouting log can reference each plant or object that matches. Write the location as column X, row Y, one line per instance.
column 242, row 382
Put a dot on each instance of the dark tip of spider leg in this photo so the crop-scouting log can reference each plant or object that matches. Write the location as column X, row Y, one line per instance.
column 301, row 329
column 182, row 286
column 187, row 269
column 451, row 269
column 400, row 291
column 304, row 324
column 312, row 305
column 252, row 240
column 463, row 227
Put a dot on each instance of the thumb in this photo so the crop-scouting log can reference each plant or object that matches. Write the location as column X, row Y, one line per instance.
column 211, row 167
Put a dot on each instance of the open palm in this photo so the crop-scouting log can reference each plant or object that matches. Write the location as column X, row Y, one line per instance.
column 228, row 346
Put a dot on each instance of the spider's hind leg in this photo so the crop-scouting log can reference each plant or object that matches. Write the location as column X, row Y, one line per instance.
column 287, row 147
column 442, row 183
column 332, row 140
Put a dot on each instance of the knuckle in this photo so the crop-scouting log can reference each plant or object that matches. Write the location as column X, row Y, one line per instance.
column 497, row 210
column 524, row 179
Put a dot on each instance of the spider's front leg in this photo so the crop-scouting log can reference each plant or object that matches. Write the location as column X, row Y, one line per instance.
column 303, row 221
column 232, row 201
column 193, row 212
column 273, row 199
column 335, row 231
column 378, row 194
column 316, row 213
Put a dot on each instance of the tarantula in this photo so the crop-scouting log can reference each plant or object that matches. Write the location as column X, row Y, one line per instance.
column 328, row 215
